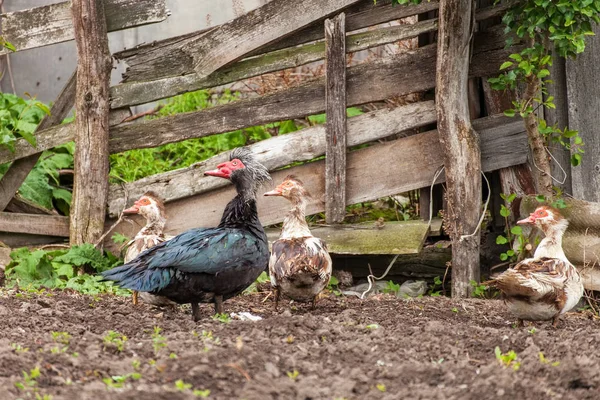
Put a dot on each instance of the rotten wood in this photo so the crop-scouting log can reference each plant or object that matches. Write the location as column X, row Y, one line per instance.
column 503, row 143
column 231, row 41
column 18, row 170
column 140, row 92
column 50, row 225
column 460, row 142
column 50, row 24
column 94, row 64
column 335, row 127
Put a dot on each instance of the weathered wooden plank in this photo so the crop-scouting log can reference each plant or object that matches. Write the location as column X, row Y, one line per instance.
column 580, row 213
column 166, row 57
column 584, row 104
column 274, row 153
column 140, row 92
column 405, row 237
column 94, row 64
column 371, row 81
column 51, row 225
column 233, row 40
column 18, row 170
column 50, row 24
column 373, row 173
column 335, row 127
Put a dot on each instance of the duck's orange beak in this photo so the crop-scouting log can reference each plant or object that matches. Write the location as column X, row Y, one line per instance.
column 528, row 220
column 274, row 192
column 134, row 209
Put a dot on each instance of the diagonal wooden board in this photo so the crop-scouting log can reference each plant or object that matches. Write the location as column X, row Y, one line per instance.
column 405, row 237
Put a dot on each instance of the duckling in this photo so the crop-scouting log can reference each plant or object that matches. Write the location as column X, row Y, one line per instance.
column 299, row 266
column 548, row 285
column 151, row 208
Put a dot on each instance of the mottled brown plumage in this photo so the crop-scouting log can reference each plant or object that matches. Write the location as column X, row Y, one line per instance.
column 151, row 207
column 300, row 266
column 547, row 285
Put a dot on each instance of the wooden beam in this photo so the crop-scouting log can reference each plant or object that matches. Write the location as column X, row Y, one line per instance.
column 165, row 57
column 277, row 18
column 459, row 141
column 335, row 128
column 50, row 24
column 140, row 92
column 405, row 237
column 274, row 153
column 50, row 225
column 367, row 82
column 18, row 170
column 503, row 143
column 94, row 64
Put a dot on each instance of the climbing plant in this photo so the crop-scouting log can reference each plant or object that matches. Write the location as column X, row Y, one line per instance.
column 547, row 28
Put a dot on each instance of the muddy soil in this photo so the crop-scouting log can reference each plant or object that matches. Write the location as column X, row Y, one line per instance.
column 379, row 348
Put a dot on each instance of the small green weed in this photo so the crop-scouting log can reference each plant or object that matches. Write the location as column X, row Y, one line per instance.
column 543, row 360
column 118, row 381
column 116, row 339
column 508, row 359
column 181, row 386
column 29, row 379
column 18, row 348
column 435, row 289
column 61, row 337
column 158, row 341
column 392, row 288
column 224, row 318
column 293, row 375
column 380, row 387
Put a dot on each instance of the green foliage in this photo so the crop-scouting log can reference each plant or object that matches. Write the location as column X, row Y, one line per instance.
column 57, row 269
column 158, row 341
column 435, row 288
column 392, row 288
column 181, row 386
column 333, row 286
column 479, row 290
column 19, row 118
column 293, row 375
column 508, row 359
column 544, row 360
column 564, row 24
column 118, row 381
column 511, row 233
column 224, row 318
column 6, row 44
column 115, row 339
column 253, row 288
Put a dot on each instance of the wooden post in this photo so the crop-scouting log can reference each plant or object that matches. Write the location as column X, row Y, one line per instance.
column 19, row 169
column 460, row 142
column 335, row 99
column 90, row 186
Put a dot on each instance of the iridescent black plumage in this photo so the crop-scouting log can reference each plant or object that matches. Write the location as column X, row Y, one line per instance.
column 207, row 265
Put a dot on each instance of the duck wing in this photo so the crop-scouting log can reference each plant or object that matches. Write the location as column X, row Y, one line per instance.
column 535, row 279
column 299, row 255
column 207, row 251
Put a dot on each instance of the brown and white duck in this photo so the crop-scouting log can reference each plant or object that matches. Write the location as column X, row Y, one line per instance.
column 548, row 285
column 153, row 210
column 300, row 266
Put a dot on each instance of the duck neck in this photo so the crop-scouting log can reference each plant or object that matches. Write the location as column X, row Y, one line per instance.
column 155, row 225
column 551, row 245
column 241, row 213
column 294, row 223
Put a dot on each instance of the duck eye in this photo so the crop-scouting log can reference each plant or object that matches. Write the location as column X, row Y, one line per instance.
column 234, row 163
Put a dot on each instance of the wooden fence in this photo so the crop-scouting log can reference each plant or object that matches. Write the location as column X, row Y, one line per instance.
column 248, row 47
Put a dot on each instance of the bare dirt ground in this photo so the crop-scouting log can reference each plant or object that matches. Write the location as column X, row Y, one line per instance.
column 380, row 348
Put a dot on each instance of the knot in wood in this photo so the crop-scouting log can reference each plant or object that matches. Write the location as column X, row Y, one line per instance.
column 88, row 97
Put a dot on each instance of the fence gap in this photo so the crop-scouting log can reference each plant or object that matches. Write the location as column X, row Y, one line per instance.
column 19, row 169
column 90, row 186
column 335, row 104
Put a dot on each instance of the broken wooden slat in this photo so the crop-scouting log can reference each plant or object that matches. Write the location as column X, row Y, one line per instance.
column 367, row 82
column 50, row 24
column 140, row 92
column 406, row 237
column 232, row 40
column 18, row 170
column 410, row 163
column 94, row 64
column 335, row 126
column 51, row 225
column 166, row 58
column 274, row 153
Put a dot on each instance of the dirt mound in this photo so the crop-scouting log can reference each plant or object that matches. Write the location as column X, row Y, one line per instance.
column 380, row 348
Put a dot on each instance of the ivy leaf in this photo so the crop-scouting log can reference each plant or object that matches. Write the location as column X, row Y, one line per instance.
column 543, row 73
column 509, row 113
column 541, row 198
column 575, row 160
column 506, row 64
column 516, row 230
column 501, row 240
column 503, row 257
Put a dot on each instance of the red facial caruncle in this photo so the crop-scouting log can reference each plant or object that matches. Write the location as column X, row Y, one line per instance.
column 225, row 169
column 540, row 212
column 135, row 208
